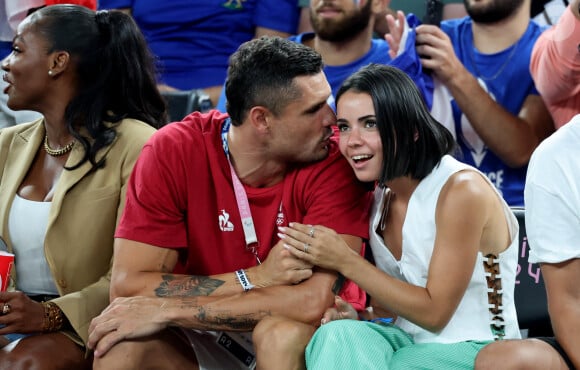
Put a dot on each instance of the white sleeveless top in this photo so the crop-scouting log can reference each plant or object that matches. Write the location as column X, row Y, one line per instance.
column 472, row 319
column 27, row 225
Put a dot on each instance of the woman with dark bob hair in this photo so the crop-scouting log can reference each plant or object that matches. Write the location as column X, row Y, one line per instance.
column 63, row 177
column 443, row 240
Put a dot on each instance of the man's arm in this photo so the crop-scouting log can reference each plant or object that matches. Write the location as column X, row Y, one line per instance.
column 141, row 269
column 563, row 292
column 262, row 31
column 512, row 138
column 135, row 317
column 554, row 64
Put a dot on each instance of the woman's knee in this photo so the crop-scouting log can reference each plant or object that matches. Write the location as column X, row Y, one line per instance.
column 44, row 352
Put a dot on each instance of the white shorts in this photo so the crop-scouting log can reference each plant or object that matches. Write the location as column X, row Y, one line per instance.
column 222, row 350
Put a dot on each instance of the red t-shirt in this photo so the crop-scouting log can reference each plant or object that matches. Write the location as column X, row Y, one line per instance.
column 180, row 195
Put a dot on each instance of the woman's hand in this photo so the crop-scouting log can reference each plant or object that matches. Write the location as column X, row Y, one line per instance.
column 23, row 315
column 341, row 310
column 317, row 245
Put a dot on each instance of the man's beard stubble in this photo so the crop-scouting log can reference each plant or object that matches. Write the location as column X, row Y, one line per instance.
column 495, row 11
column 348, row 27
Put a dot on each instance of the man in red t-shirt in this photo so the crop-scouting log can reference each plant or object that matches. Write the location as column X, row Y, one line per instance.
column 206, row 199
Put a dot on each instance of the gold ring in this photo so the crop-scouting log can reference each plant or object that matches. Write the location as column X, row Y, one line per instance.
column 5, row 309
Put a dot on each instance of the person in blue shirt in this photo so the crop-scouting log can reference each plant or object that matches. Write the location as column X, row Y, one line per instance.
column 194, row 39
column 483, row 60
column 343, row 31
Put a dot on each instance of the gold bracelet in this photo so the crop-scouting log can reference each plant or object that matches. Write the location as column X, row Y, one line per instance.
column 53, row 317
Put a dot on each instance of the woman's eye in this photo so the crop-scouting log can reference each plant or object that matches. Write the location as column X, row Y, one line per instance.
column 370, row 124
column 342, row 127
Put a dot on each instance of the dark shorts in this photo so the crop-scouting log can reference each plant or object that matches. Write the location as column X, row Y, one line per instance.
column 552, row 341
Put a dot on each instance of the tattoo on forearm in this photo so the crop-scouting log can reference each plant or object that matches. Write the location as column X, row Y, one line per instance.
column 187, row 286
column 231, row 321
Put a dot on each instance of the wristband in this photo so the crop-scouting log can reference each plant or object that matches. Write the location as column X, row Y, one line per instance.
column 244, row 281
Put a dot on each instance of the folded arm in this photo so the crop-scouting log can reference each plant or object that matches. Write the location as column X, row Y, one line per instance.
column 563, row 291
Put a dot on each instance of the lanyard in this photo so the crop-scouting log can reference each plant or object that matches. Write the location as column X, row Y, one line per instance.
column 241, row 199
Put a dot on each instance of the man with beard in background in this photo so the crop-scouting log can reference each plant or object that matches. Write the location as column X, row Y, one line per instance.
column 498, row 116
column 343, row 35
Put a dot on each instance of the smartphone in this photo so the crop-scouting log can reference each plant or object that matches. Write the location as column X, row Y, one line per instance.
column 433, row 12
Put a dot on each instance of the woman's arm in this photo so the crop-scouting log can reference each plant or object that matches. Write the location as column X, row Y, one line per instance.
column 458, row 236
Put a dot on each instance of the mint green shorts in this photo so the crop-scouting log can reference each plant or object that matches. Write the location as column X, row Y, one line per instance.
column 350, row 344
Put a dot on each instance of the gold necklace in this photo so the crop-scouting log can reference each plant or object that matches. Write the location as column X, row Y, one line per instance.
column 499, row 71
column 57, row 152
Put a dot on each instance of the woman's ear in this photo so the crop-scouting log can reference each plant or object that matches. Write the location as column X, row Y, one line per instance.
column 58, row 62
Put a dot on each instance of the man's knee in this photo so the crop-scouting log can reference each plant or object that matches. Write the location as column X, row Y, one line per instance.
column 166, row 350
column 124, row 355
column 281, row 334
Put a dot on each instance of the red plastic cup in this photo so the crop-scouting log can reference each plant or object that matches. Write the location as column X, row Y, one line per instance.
column 6, row 262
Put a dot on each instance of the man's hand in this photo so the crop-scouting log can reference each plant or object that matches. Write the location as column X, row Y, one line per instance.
column 395, row 35
column 126, row 318
column 437, row 53
column 281, row 268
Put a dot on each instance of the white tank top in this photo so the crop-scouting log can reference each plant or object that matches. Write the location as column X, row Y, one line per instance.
column 27, row 225
column 472, row 319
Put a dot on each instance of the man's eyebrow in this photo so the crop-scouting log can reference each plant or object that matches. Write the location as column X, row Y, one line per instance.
column 313, row 108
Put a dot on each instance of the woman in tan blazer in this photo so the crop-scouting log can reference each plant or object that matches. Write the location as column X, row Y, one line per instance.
column 63, row 177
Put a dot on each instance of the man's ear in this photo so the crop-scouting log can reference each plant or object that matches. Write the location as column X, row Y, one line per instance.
column 260, row 118
column 58, row 62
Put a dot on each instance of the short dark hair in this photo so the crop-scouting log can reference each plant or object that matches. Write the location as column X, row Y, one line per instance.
column 262, row 71
column 115, row 70
column 413, row 141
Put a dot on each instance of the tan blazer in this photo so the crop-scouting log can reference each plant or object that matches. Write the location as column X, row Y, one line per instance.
column 85, row 210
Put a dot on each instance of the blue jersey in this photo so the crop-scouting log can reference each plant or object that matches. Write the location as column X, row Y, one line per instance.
column 193, row 40
column 378, row 53
column 506, row 78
